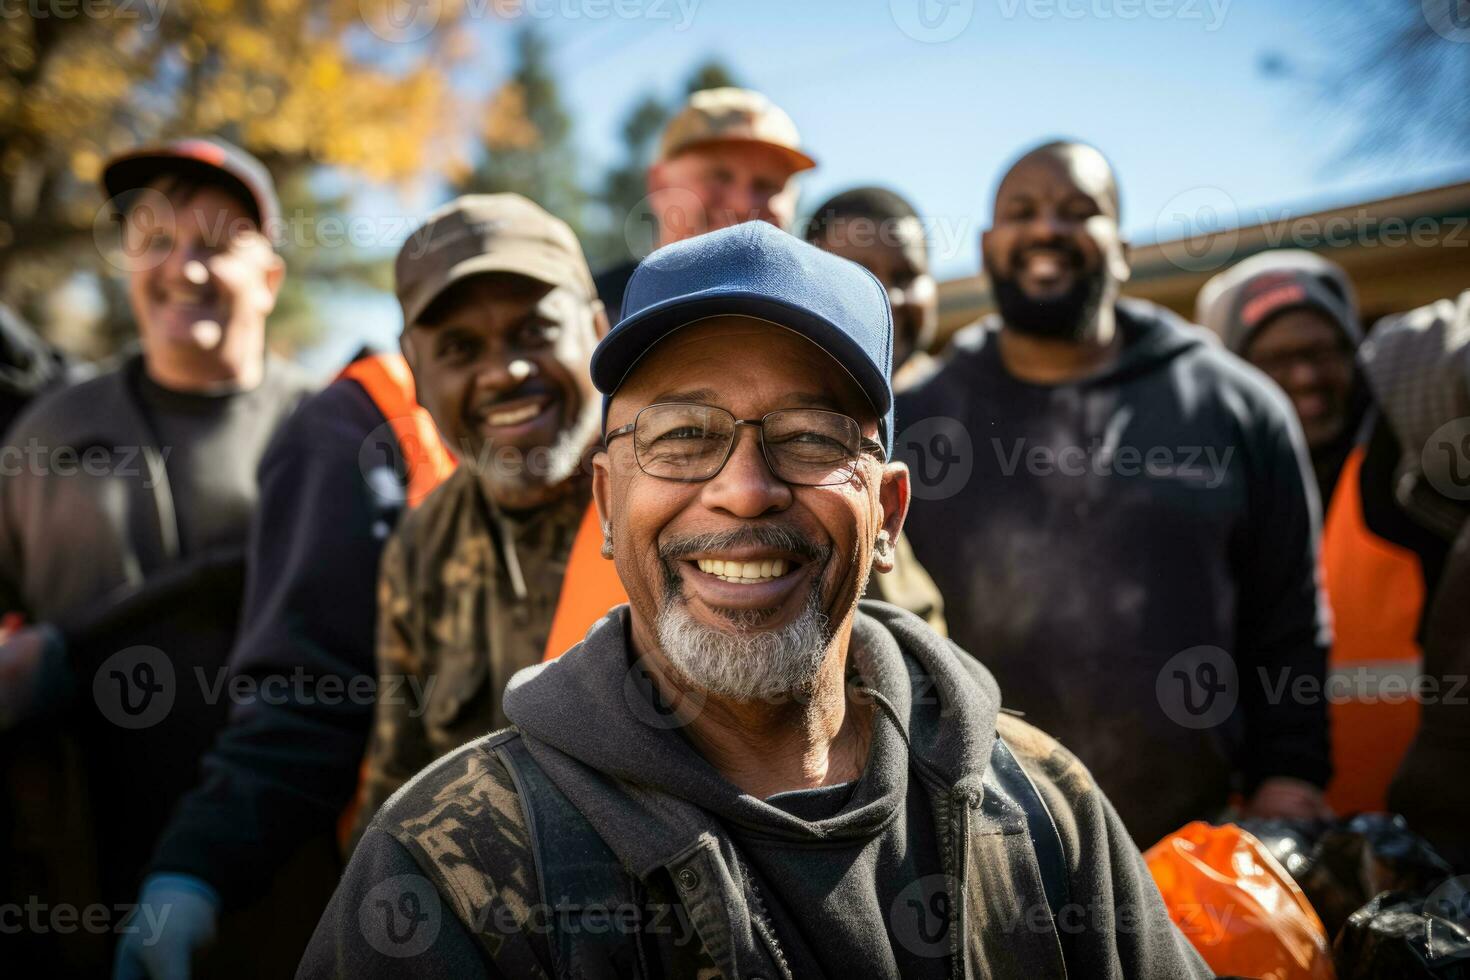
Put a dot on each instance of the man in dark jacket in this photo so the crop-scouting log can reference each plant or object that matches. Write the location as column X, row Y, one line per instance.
column 1122, row 519
column 252, row 847
column 744, row 771
column 122, row 535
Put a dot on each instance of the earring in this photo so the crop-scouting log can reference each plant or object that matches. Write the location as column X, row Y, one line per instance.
column 883, row 543
column 607, row 547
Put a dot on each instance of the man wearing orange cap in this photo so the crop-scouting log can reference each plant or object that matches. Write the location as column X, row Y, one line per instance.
column 730, row 155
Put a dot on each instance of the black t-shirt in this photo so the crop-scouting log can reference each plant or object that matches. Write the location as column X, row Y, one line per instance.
column 212, row 444
column 875, row 900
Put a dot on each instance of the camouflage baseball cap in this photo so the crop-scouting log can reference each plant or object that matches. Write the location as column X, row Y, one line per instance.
column 482, row 233
column 733, row 115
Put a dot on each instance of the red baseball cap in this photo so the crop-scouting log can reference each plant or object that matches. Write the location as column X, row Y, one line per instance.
column 208, row 159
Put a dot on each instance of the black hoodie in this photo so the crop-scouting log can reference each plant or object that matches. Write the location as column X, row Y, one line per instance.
column 1120, row 547
column 910, row 872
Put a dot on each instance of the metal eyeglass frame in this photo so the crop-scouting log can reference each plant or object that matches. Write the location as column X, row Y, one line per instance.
column 865, row 445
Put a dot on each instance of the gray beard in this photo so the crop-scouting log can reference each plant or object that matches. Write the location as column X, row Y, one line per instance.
column 745, row 662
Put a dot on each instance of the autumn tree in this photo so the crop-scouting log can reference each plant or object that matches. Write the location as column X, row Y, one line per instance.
column 302, row 84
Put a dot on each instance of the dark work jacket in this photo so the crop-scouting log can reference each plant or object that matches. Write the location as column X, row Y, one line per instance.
column 444, row 883
column 259, row 825
column 1136, row 555
column 90, row 544
column 285, row 768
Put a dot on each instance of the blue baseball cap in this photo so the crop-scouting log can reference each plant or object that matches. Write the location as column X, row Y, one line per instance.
column 755, row 269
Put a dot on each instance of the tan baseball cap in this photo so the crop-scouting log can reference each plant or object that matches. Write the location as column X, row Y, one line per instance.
column 481, row 233
column 733, row 115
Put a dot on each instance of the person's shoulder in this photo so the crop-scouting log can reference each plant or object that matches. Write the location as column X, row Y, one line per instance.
column 461, row 818
column 1216, row 374
column 63, row 414
column 339, row 417
column 1045, row 759
column 287, row 379
column 954, row 365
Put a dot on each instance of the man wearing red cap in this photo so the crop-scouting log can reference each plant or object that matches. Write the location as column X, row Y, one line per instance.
column 123, row 517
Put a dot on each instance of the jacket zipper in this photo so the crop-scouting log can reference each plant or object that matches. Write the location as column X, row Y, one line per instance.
column 959, row 967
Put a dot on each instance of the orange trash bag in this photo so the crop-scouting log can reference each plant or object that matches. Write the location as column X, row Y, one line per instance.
column 1238, row 906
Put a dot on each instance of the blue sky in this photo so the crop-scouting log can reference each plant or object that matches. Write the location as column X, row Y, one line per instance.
column 1171, row 90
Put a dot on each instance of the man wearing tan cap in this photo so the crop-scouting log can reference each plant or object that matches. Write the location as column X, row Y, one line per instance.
column 730, row 155
column 500, row 320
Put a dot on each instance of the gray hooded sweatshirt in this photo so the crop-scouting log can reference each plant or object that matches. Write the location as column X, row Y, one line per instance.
column 914, row 869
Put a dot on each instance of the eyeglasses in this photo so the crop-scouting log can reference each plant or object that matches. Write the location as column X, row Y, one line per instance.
column 690, row 443
column 1319, row 358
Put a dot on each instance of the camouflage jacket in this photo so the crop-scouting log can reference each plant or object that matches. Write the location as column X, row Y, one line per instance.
column 466, row 598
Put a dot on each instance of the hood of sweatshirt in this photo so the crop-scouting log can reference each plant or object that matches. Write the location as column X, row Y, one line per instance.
column 1152, row 337
column 591, row 721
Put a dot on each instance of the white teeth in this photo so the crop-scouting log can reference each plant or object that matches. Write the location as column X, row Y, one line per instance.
column 514, row 416
column 743, row 572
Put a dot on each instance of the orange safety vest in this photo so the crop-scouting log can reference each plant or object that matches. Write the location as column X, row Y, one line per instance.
column 1376, row 591
column 389, row 383
column 589, row 589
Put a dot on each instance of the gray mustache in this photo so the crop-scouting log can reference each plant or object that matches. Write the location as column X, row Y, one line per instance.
column 773, row 536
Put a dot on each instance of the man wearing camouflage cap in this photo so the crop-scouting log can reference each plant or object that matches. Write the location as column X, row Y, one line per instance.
column 500, row 319
column 730, row 155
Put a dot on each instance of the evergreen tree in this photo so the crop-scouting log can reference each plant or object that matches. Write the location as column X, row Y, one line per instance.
column 527, row 137
column 627, row 228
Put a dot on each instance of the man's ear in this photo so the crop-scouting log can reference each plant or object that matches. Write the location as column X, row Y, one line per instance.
column 602, row 493
column 275, row 275
column 410, row 353
column 893, row 496
column 654, row 180
column 600, row 322
column 984, row 245
column 1123, row 270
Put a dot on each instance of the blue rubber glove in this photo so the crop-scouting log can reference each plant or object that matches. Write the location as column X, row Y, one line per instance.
column 35, row 674
column 176, row 917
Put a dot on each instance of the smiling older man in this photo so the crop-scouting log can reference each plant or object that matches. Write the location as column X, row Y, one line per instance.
column 745, row 772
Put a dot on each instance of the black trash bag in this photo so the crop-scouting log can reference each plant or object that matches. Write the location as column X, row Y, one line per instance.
column 1363, row 856
column 1408, row 935
column 1293, row 843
